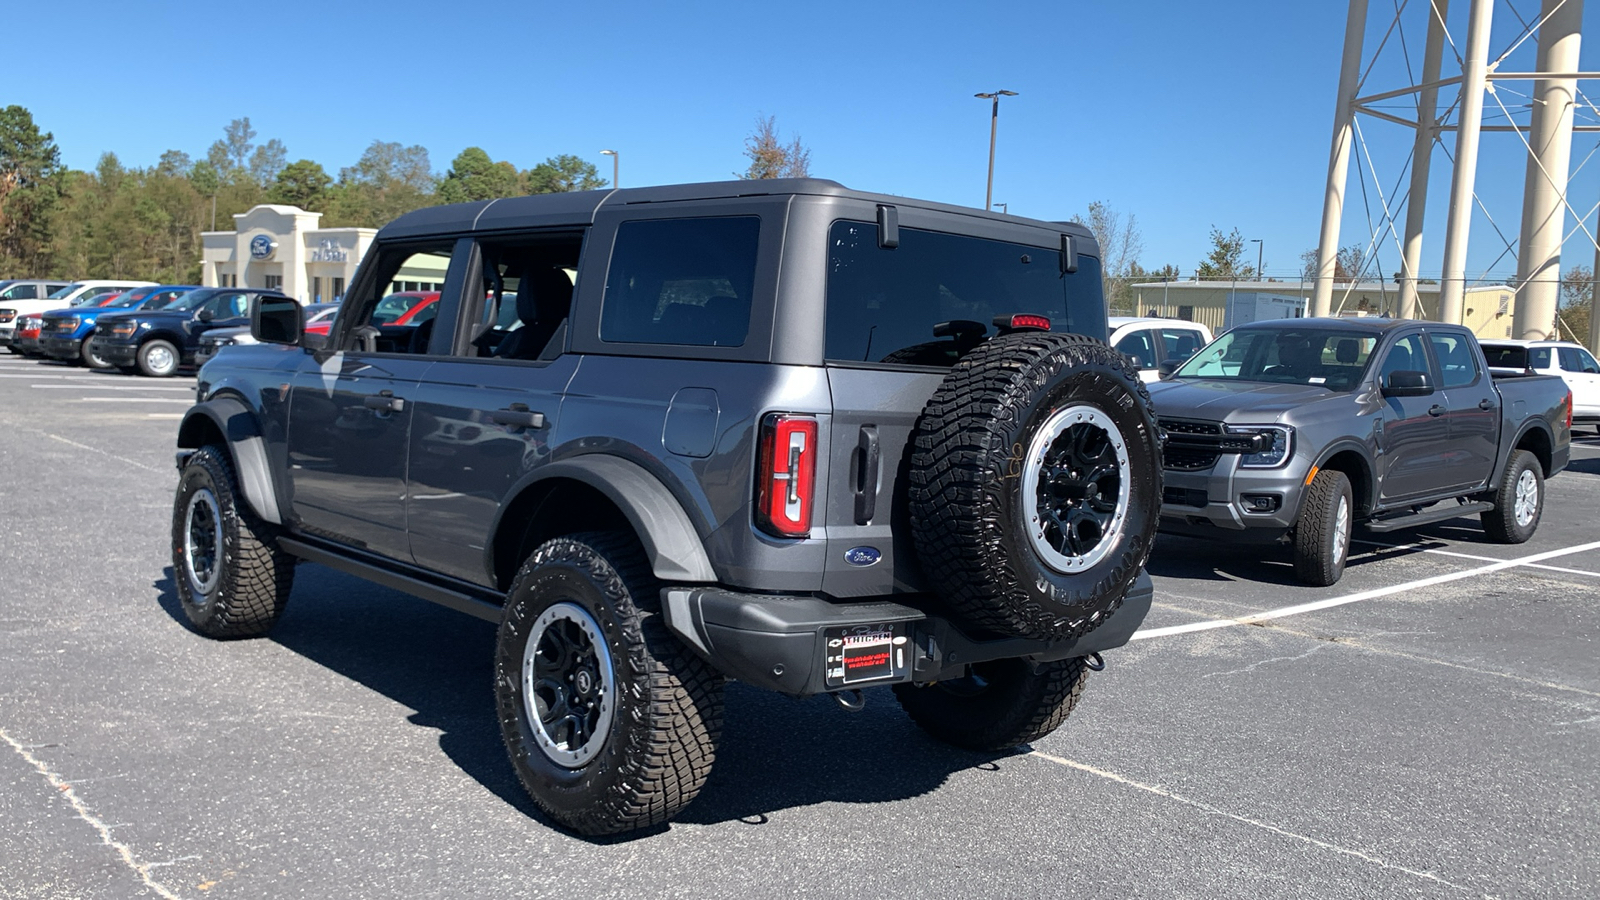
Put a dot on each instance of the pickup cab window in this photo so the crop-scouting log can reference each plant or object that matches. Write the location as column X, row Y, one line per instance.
column 1458, row 365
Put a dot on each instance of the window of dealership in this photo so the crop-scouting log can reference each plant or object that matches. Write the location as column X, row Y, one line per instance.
column 282, row 248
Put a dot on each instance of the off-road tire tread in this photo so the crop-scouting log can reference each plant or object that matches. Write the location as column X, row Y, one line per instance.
column 1040, row 704
column 1500, row 523
column 667, row 767
column 257, row 576
column 954, row 458
column 1311, row 562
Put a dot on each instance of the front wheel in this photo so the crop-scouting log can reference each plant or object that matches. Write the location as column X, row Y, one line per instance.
column 1518, row 501
column 88, row 357
column 1322, row 533
column 232, row 578
column 999, row 705
column 610, row 722
column 158, row 358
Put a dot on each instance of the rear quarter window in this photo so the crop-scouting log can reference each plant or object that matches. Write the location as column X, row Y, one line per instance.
column 883, row 305
column 681, row 281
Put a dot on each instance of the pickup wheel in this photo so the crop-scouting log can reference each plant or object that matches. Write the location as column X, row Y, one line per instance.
column 1035, row 484
column 1322, row 533
column 87, row 356
column 1000, row 705
column 1518, row 501
column 232, row 578
column 610, row 722
column 158, row 358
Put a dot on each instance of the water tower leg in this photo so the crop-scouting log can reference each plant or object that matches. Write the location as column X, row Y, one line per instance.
column 1422, row 158
column 1355, row 28
column 1474, row 71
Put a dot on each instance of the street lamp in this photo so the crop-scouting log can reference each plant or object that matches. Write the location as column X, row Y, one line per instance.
column 994, row 125
column 1004, row 211
column 1259, row 246
column 616, row 161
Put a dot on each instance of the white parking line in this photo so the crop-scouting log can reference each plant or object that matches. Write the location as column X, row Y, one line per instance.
column 137, row 399
column 1476, row 557
column 112, row 387
column 1375, row 593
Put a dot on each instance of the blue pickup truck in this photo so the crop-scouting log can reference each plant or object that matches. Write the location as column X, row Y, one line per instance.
column 65, row 333
column 158, row 342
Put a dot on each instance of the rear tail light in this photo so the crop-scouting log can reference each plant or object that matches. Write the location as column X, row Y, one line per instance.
column 786, row 475
column 1569, row 410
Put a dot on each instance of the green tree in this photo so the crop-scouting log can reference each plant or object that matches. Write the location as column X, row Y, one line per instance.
column 474, row 176
column 266, row 161
column 1226, row 259
column 31, row 186
column 387, row 181
column 1346, row 264
column 302, row 183
column 1120, row 245
column 770, row 157
column 562, row 173
column 1577, row 304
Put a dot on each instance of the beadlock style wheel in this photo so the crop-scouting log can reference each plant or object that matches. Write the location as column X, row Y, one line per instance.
column 1076, row 483
column 569, row 685
column 202, row 542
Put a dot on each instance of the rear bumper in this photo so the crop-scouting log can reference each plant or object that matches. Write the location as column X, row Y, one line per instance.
column 781, row 642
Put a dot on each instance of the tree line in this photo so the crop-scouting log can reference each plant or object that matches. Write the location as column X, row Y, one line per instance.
column 120, row 221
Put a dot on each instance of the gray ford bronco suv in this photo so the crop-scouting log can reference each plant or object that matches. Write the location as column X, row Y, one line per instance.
column 809, row 438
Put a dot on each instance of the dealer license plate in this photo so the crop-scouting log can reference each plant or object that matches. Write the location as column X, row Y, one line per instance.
column 857, row 654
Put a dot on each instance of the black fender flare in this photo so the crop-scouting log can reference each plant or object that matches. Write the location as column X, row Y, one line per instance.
column 1535, row 423
column 238, row 426
column 670, row 540
column 1365, row 453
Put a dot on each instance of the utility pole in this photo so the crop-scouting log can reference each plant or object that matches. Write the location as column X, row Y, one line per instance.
column 1259, row 245
column 616, row 163
column 994, row 127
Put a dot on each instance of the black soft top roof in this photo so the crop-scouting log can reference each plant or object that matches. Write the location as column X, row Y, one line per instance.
column 577, row 208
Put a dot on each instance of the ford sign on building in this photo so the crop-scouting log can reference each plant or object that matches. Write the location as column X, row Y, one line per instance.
column 282, row 248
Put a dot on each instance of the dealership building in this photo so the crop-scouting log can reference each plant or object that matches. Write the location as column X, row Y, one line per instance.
column 284, row 248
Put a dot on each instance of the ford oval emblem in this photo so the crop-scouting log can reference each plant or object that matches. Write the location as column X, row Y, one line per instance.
column 862, row 556
column 262, row 247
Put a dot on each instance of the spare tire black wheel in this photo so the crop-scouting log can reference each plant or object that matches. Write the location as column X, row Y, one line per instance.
column 1035, row 485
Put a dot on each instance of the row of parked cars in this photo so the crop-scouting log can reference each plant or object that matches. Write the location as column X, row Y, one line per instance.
column 153, row 329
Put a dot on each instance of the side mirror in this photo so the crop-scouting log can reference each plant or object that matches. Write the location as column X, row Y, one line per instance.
column 1169, row 366
column 1407, row 383
column 205, row 315
column 277, row 320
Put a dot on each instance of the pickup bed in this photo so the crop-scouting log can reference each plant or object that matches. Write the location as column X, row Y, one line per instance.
column 1299, row 429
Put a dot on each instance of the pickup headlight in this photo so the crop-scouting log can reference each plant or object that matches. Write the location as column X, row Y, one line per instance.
column 123, row 329
column 1277, row 452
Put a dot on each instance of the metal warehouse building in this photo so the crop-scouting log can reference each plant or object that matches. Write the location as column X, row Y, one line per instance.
column 1224, row 304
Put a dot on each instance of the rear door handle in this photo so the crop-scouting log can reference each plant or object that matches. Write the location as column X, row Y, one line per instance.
column 518, row 415
column 867, row 474
column 1486, row 403
column 1437, row 410
column 384, row 401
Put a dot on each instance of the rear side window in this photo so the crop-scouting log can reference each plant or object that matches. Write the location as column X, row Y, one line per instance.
column 883, row 305
column 1181, row 343
column 1539, row 358
column 1576, row 359
column 1457, row 366
column 681, row 281
column 1138, row 347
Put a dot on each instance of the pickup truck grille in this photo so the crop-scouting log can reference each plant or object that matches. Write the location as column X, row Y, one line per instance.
column 1182, row 456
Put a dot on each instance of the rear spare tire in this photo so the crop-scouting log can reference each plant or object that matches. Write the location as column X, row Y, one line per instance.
column 1035, row 485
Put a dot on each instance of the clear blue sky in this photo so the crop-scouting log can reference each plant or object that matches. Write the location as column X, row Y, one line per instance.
column 1184, row 114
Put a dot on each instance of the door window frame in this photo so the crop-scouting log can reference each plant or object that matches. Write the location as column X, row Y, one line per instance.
column 353, row 309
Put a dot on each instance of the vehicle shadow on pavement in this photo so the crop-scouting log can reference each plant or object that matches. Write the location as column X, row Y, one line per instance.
column 1585, row 465
column 1202, row 560
column 776, row 753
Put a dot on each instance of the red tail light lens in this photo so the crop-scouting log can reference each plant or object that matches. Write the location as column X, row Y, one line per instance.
column 1029, row 321
column 1569, row 410
column 786, row 475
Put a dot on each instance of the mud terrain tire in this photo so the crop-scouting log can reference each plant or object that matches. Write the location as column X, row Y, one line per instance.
column 1001, row 705
column 1035, row 485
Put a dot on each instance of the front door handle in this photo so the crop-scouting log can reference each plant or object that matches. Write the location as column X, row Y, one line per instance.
column 1437, row 410
column 1486, row 404
column 384, row 401
column 518, row 415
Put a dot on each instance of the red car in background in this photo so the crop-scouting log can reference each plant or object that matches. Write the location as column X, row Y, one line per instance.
column 399, row 308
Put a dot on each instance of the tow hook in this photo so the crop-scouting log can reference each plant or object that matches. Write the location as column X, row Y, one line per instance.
column 1094, row 662
column 852, row 700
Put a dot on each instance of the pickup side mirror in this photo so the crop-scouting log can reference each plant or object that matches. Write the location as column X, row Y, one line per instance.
column 1169, row 366
column 1407, row 383
column 205, row 315
column 277, row 320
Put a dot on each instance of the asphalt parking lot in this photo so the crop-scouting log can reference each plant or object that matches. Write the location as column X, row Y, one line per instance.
column 1430, row 726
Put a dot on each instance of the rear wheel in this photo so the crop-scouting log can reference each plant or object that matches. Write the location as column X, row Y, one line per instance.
column 1322, row 533
column 610, row 722
column 1518, row 501
column 1000, row 705
column 158, row 358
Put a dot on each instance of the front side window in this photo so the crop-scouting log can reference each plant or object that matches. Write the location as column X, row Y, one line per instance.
column 1577, row 359
column 1138, row 347
column 21, row 292
column 373, row 308
column 681, row 281
column 1181, row 343
column 1539, row 358
column 1407, row 355
column 884, row 305
column 1457, row 365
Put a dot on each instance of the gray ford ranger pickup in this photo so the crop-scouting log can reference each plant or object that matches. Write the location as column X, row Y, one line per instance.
column 809, row 438
column 1299, row 429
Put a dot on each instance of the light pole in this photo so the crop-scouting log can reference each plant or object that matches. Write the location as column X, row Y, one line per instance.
column 616, row 163
column 1004, row 211
column 994, row 125
column 1259, row 246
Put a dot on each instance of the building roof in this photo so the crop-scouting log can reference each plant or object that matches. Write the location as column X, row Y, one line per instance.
column 1298, row 287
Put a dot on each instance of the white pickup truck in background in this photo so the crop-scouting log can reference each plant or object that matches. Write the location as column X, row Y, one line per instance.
column 1575, row 364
